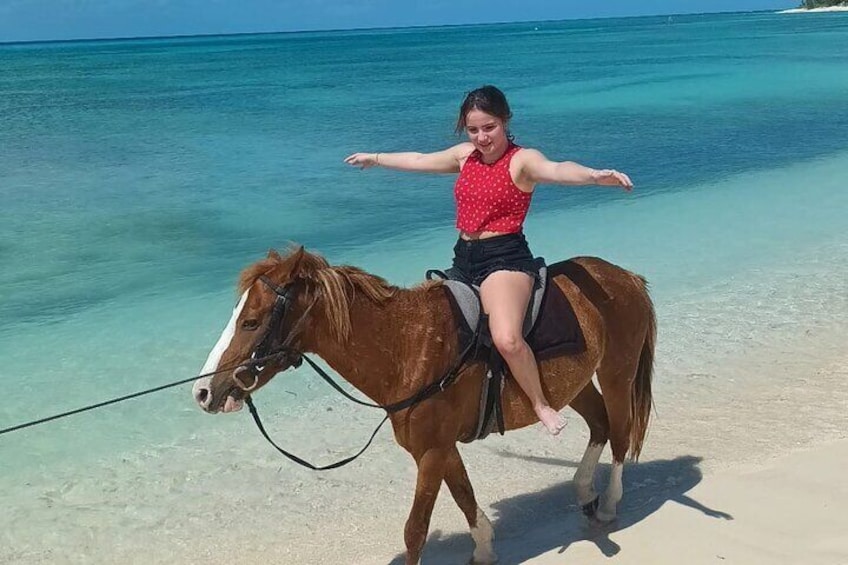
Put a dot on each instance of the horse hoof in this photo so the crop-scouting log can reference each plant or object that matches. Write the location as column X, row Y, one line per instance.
column 488, row 560
column 603, row 519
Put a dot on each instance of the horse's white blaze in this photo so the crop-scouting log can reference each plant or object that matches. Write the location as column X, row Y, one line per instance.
column 223, row 343
column 482, row 535
column 606, row 511
column 584, row 477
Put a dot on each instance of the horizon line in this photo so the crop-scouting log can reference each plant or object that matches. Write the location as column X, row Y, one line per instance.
column 363, row 29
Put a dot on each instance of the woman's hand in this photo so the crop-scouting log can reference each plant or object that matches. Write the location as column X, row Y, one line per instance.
column 363, row 160
column 611, row 177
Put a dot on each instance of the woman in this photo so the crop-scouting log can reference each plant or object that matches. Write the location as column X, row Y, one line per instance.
column 493, row 191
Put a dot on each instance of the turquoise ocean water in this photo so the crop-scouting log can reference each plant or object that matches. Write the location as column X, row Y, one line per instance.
column 138, row 177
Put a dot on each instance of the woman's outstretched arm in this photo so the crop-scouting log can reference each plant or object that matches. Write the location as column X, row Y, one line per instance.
column 445, row 161
column 536, row 168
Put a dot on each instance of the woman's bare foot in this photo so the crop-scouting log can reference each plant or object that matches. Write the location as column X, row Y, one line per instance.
column 551, row 419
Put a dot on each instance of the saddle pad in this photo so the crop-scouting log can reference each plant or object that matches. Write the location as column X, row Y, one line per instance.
column 551, row 327
column 557, row 331
column 466, row 297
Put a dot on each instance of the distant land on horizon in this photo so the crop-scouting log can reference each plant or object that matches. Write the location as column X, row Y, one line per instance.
column 813, row 4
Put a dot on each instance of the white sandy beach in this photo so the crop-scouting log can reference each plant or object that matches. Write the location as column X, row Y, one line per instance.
column 764, row 487
column 815, row 10
column 787, row 511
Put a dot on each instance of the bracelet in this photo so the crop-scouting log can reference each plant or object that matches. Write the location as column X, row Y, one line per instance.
column 377, row 159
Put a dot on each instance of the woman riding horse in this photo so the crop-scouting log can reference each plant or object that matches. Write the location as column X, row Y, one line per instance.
column 493, row 191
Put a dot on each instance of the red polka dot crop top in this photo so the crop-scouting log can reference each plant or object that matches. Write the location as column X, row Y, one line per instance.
column 486, row 197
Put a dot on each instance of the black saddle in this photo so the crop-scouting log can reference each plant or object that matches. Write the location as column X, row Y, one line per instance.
column 550, row 328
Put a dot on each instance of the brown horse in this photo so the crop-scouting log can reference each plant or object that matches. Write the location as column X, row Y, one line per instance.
column 389, row 342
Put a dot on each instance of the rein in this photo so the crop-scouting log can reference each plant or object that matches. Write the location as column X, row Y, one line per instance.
column 284, row 350
column 423, row 394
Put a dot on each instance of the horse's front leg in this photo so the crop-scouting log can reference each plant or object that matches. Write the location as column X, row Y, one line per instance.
column 431, row 471
column 463, row 493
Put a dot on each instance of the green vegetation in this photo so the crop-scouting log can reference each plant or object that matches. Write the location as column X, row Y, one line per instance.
column 810, row 4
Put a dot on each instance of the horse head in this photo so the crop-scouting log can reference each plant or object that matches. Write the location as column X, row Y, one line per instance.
column 263, row 336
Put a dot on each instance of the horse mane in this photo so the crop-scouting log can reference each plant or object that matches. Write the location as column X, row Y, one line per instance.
column 336, row 286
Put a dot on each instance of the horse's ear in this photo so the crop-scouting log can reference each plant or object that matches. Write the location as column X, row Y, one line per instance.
column 272, row 254
column 297, row 261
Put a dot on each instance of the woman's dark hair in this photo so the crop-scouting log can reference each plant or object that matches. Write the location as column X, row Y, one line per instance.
column 487, row 99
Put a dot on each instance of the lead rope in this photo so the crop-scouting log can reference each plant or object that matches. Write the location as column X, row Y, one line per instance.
column 127, row 397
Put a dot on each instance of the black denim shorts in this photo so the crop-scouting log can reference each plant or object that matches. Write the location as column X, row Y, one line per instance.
column 476, row 259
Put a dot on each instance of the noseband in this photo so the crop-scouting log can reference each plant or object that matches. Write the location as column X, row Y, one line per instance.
column 265, row 350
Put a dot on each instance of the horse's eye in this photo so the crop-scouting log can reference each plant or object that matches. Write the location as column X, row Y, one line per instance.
column 250, row 325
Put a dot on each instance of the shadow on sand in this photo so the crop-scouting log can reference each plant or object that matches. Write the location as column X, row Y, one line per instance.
column 529, row 525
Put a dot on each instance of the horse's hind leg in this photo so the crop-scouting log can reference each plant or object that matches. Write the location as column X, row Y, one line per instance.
column 460, row 487
column 590, row 405
column 615, row 383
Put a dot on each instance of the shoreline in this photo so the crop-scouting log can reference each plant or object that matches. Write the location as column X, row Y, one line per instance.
column 701, row 463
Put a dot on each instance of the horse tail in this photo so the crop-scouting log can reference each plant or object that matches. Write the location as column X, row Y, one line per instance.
column 641, row 398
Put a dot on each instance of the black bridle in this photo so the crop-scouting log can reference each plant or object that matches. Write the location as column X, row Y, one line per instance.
column 267, row 348
column 271, row 346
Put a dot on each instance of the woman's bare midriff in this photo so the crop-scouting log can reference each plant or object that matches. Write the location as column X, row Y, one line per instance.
column 472, row 236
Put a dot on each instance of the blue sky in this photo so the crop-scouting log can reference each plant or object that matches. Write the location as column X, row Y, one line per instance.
column 26, row 20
